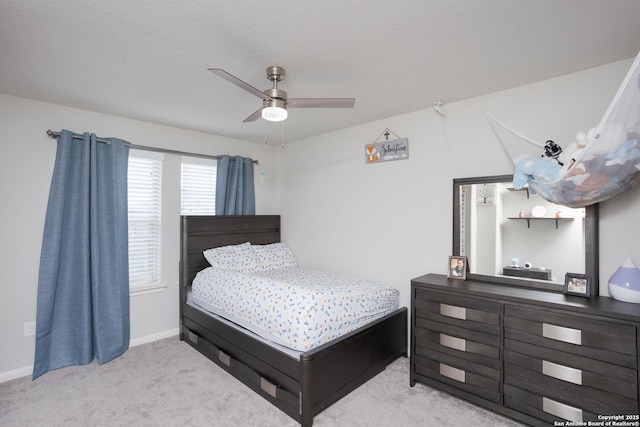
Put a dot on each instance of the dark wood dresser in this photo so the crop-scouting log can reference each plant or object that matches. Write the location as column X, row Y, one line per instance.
column 531, row 355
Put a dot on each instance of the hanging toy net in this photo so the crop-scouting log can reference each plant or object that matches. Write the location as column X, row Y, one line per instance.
column 598, row 165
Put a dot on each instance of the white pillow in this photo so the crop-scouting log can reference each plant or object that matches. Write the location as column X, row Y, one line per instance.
column 274, row 256
column 234, row 257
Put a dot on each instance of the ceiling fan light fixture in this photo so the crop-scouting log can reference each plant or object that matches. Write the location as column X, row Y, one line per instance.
column 274, row 100
column 274, row 114
column 274, row 108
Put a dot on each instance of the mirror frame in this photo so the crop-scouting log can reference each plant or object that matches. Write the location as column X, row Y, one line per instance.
column 591, row 242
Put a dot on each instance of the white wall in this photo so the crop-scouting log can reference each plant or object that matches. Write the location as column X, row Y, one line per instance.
column 392, row 221
column 27, row 156
column 389, row 221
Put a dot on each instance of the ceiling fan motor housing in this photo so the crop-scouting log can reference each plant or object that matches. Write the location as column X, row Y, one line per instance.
column 277, row 96
column 274, row 103
column 275, row 73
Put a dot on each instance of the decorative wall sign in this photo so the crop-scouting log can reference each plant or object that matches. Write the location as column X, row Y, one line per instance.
column 385, row 150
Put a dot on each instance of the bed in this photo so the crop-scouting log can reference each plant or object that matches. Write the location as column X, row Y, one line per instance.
column 300, row 384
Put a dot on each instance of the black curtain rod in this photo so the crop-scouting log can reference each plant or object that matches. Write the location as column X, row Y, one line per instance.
column 53, row 134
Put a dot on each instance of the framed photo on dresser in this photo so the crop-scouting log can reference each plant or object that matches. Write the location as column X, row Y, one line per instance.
column 577, row 284
column 457, row 268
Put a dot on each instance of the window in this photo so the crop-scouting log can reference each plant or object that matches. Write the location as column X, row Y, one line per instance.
column 198, row 186
column 144, row 180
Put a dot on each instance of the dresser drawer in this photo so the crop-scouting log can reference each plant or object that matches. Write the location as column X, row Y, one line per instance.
column 442, row 335
column 517, row 382
column 589, row 337
column 602, row 389
column 427, row 341
column 473, row 378
column 544, row 408
column 573, row 369
column 469, row 313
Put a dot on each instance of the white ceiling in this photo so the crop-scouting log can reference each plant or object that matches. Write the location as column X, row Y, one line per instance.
column 148, row 60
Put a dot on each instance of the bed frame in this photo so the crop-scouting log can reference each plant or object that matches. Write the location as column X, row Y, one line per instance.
column 300, row 388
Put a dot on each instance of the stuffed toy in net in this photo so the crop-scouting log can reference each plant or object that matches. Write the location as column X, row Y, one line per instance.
column 598, row 165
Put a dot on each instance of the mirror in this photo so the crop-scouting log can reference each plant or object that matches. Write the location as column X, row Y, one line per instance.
column 512, row 237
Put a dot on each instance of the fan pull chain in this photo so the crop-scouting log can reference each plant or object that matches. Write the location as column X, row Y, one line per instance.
column 265, row 132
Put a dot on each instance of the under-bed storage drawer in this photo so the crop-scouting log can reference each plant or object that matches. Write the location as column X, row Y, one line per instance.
column 457, row 342
column 560, row 366
column 280, row 389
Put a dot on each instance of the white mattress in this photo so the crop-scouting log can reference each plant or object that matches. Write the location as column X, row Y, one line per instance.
column 294, row 354
column 293, row 307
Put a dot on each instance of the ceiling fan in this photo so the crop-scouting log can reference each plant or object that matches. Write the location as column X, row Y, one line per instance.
column 275, row 101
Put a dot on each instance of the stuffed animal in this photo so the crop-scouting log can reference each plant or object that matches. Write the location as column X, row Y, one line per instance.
column 552, row 150
column 534, row 168
column 625, row 153
column 604, row 140
column 572, row 152
column 589, row 178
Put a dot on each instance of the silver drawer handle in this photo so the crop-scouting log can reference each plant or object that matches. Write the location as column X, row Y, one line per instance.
column 453, row 311
column 224, row 358
column 560, row 333
column 268, row 387
column 561, row 410
column 453, row 342
column 451, row 372
column 562, row 372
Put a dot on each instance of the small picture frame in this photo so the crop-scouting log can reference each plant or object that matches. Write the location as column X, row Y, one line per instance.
column 457, row 268
column 577, row 284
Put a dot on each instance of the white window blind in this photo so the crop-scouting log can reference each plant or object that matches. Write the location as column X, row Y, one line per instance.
column 144, row 182
column 198, row 186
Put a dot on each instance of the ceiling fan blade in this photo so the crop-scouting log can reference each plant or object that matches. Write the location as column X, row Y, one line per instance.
column 321, row 102
column 241, row 84
column 255, row 116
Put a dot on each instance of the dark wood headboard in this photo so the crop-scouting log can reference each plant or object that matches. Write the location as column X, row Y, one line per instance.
column 198, row 233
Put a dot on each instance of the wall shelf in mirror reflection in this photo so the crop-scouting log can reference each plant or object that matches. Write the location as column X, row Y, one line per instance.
column 565, row 239
column 525, row 189
column 528, row 219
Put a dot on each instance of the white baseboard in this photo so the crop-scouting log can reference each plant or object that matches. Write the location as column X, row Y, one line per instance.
column 154, row 337
column 28, row 370
column 16, row 373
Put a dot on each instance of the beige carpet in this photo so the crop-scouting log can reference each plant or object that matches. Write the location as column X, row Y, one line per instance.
column 168, row 383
